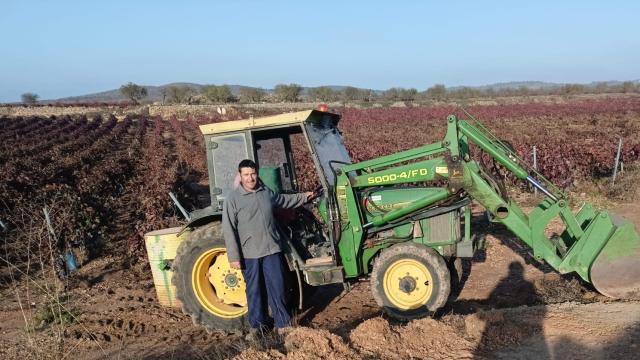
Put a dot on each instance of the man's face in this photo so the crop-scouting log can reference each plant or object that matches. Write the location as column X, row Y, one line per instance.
column 248, row 178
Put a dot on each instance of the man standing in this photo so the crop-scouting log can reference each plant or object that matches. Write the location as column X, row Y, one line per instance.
column 251, row 236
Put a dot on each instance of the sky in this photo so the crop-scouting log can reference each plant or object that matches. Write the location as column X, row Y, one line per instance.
column 68, row 48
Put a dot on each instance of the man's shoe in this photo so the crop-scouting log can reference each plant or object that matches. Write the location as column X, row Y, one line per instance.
column 252, row 335
column 283, row 331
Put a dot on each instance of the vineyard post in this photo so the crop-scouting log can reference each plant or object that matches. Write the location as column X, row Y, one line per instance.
column 617, row 161
column 49, row 226
column 535, row 167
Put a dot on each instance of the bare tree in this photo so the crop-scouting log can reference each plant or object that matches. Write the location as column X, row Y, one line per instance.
column 571, row 89
column 133, row 92
column 350, row 93
column 437, row 92
column 288, row 93
column 29, row 98
column 322, row 93
column 628, row 87
column 164, row 92
column 409, row 94
column 401, row 94
column 180, row 94
column 218, row 94
column 250, row 94
column 466, row 92
column 602, row 87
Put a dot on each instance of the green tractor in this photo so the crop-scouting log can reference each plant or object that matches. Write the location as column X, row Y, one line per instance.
column 401, row 220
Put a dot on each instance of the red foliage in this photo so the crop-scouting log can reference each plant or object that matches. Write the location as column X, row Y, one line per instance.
column 573, row 140
column 112, row 177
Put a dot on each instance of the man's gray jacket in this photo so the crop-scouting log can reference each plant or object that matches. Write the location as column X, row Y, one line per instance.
column 248, row 224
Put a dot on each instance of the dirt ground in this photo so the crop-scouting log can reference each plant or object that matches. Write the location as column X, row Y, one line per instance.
column 507, row 306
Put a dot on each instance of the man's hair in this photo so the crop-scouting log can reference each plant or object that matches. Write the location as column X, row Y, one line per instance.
column 247, row 163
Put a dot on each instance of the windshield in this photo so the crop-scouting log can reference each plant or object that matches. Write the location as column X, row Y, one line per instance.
column 327, row 143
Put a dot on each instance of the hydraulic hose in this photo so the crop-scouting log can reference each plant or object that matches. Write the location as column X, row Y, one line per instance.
column 539, row 186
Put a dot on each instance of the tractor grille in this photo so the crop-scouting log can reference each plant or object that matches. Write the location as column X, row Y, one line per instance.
column 444, row 228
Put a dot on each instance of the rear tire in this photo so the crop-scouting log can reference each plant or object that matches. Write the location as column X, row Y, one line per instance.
column 410, row 281
column 202, row 257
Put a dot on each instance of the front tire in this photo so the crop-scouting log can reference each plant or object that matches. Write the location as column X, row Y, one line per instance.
column 211, row 292
column 410, row 281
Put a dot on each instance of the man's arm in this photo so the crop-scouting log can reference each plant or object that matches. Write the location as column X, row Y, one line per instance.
column 230, row 230
column 289, row 201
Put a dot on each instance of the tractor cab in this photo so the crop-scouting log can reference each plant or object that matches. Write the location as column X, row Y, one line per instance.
column 295, row 152
column 268, row 142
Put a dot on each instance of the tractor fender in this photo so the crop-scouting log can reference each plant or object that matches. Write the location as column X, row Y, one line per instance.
column 200, row 221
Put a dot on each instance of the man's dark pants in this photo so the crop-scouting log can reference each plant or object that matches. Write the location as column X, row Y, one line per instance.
column 266, row 273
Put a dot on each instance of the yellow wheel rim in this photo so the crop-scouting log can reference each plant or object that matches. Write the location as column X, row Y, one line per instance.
column 408, row 284
column 219, row 288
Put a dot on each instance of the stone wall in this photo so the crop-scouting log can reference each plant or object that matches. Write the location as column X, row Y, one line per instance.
column 181, row 111
column 25, row 111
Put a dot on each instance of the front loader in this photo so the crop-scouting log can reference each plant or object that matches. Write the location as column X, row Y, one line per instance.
column 400, row 220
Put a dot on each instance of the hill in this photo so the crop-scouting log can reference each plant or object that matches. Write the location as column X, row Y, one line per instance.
column 155, row 92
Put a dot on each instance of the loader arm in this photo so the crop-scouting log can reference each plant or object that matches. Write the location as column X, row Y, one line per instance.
column 591, row 244
column 603, row 250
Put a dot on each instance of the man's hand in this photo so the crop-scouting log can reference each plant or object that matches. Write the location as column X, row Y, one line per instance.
column 235, row 265
column 310, row 195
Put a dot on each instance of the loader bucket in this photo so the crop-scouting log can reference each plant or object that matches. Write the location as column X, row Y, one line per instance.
column 615, row 271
